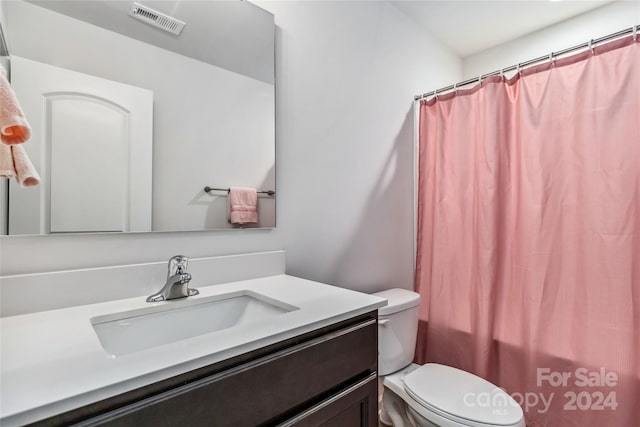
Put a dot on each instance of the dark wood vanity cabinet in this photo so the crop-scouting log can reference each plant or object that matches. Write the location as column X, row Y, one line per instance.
column 327, row 377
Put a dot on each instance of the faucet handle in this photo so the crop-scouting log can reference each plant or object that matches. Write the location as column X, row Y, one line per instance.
column 177, row 265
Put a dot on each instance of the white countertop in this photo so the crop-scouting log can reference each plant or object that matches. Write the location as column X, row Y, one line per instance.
column 52, row 361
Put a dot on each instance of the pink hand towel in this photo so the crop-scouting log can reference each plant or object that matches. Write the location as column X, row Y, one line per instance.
column 26, row 173
column 242, row 205
column 14, row 128
column 14, row 162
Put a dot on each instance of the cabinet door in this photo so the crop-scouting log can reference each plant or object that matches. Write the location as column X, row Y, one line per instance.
column 355, row 406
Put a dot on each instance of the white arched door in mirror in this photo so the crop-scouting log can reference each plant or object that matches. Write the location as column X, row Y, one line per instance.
column 92, row 143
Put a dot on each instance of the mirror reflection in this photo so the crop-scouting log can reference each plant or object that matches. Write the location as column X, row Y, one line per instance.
column 130, row 122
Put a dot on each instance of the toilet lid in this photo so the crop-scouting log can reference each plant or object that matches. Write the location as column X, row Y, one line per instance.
column 397, row 300
column 458, row 394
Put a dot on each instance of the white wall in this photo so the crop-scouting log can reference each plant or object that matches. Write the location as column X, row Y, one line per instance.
column 3, row 7
column 599, row 22
column 347, row 73
column 346, row 76
column 4, row 183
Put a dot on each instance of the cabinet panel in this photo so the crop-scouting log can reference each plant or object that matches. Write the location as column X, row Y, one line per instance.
column 353, row 407
column 262, row 392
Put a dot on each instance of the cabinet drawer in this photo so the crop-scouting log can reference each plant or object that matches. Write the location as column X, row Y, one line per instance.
column 262, row 392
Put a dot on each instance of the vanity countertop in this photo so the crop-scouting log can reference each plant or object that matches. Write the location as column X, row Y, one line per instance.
column 52, row 361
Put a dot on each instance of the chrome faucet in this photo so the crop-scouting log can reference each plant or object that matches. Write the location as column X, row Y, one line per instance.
column 178, row 279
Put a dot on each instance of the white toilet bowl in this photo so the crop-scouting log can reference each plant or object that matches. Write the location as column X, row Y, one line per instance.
column 442, row 396
column 431, row 395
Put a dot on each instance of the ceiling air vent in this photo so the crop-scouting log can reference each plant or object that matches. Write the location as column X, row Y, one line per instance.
column 155, row 18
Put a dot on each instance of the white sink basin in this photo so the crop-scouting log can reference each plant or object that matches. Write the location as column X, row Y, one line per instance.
column 176, row 320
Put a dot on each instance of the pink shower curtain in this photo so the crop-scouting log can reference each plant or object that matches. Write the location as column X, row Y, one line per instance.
column 529, row 236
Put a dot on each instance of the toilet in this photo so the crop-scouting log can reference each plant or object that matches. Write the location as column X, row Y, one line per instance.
column 431, row 395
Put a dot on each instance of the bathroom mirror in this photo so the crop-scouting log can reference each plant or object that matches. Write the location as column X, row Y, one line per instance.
column 131, row 121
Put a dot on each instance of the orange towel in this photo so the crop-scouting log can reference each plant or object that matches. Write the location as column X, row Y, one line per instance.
column 242, row 205
column 14, row 128
column 14, row 162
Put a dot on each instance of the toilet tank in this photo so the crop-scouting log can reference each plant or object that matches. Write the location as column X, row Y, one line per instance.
column 397, row 329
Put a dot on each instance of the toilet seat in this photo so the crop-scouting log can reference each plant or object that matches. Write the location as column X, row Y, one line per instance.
column 461, row 397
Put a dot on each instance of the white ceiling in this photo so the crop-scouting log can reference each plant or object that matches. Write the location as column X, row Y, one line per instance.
column 471, row 26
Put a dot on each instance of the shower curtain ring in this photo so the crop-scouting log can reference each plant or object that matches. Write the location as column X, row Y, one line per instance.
column 455, row 88
column 551, row 58
column 591, row 47
column 518, row 69
column 501, row 74
column 635, row 33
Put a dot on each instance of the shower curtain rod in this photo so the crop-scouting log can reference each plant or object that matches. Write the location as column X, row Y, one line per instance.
column 590, row 44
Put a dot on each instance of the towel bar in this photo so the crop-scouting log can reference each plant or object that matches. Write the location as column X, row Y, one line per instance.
column 208, row 189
